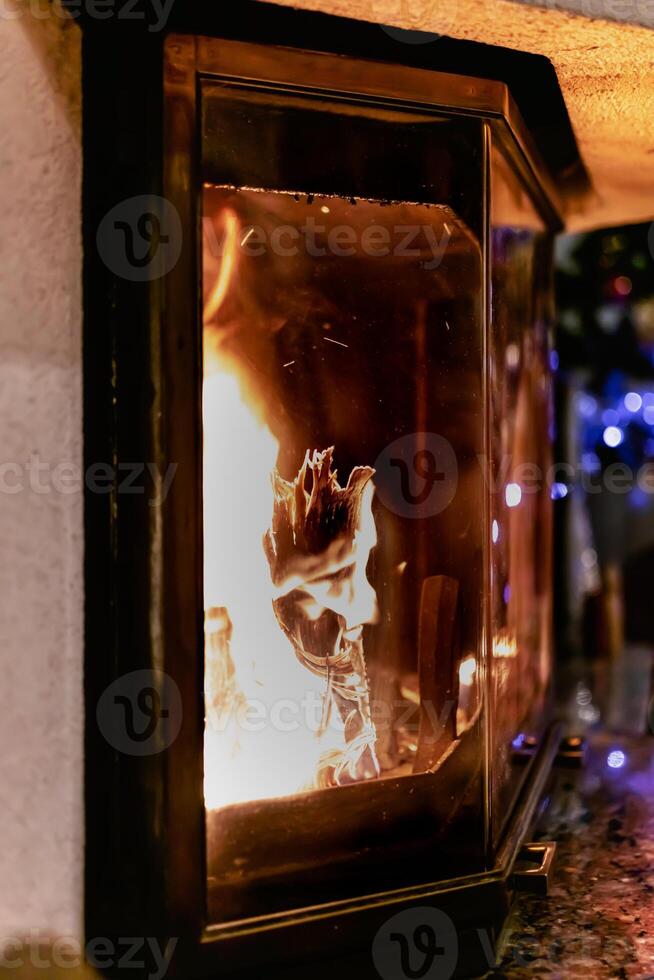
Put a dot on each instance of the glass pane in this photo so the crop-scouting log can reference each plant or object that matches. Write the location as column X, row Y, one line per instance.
column 343, row 420
column 521, row 424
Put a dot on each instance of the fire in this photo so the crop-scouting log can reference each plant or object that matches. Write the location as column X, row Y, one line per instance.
column 286, row 592
column 467, row 671
column 223, row 280
column 284, row 713
column 505, row 646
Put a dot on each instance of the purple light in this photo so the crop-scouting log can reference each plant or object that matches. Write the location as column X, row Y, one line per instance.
column 558, row 491
column 616, row 759
column 591, row 463
column 610, row 417
column 507, row 594
column 587, row 405
column 613, row 436
column 638, row 498
column 495, row 532
column 633, row 402
column 518, row 741
column 554, row 360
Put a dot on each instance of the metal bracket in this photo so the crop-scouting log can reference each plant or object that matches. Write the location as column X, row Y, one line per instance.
column 528, row 878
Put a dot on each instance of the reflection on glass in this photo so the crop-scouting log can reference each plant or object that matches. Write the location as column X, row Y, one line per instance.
column 520, row 460
column 333, row 583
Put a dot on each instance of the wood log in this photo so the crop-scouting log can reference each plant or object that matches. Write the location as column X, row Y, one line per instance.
column 438, row 656
column 315, row 560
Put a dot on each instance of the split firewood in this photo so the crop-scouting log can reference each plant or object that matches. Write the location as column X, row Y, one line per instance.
column 438, row 645
column 318, row 546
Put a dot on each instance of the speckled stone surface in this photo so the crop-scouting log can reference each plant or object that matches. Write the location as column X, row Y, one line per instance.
column 598, row 920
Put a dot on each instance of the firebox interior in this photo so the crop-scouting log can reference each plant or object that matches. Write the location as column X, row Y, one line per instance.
column 343, row 427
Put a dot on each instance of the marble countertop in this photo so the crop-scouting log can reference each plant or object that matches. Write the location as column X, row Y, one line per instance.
column 598, row 919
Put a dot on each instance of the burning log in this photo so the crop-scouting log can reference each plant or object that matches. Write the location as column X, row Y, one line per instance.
column 318, row 546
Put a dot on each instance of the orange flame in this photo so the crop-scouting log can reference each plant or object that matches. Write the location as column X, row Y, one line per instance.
column 266, row 733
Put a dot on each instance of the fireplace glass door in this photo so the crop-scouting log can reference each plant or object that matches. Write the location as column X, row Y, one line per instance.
column 345, row 508
column 520, row 469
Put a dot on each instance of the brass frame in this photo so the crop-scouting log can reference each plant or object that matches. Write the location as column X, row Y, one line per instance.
column 187, row 59
column 358, row 79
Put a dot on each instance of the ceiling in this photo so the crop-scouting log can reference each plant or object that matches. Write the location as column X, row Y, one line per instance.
column 605, row 70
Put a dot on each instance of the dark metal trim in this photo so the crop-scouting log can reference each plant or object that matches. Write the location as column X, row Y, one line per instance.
column 333, row 76
column 145, row 857
column 181, row 585
column 482, row 899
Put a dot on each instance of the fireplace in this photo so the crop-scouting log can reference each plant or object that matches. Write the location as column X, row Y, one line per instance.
column 347, row 587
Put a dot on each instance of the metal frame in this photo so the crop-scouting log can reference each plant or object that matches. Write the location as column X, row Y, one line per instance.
column 146, row 862
column 404, row 87
column 188, row 60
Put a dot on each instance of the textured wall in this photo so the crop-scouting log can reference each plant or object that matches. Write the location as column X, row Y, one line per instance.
column 41, row 592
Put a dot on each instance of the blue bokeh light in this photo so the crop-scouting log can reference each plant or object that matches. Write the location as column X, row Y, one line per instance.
column 616, row 759
column 633, row 402
column 613, row 436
